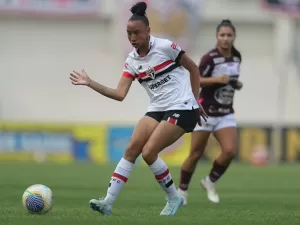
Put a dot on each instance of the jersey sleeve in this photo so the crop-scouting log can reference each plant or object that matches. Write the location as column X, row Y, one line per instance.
column 128, row 70
column 206, row 66
column 173, row 50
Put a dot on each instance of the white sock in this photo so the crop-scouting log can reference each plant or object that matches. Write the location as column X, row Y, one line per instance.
column 118, row 179
column 163, row 177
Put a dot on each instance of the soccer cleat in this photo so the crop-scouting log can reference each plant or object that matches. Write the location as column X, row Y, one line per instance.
column 173, row 204
column 210, row 188
column 101, row 206
column 184, row 195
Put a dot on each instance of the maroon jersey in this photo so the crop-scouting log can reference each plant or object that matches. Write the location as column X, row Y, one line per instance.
column 217, row 100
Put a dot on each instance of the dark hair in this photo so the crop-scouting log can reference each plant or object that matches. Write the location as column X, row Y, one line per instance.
column 139, row 13
column 227, row 23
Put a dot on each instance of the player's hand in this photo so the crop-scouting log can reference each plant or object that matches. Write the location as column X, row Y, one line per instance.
column 239, row 85
column 223, row 79
column 79, row 78
column 202, row 115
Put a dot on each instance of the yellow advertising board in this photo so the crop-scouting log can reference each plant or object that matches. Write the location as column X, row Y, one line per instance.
column 62, row 143
column 66, row 143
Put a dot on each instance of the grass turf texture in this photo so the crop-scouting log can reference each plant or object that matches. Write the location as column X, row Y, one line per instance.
column 249, row 195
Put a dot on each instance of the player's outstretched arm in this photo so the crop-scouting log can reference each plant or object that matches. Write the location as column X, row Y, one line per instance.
column 117, row 94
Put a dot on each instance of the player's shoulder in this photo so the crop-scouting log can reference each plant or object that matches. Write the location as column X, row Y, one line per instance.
column 211, row 54
column 162, row 43
column 131, row 55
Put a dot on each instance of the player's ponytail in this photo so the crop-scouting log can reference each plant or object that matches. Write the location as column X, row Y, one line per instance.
column 236, row 52
column 139, row 12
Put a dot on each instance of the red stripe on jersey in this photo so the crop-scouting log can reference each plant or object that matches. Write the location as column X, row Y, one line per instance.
column 172, row 120
column 156, row 68
column 128, row 75
column 201, row 100
column 163, row 175
column 119, row 176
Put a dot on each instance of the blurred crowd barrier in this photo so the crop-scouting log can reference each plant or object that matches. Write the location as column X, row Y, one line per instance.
column 104, row 144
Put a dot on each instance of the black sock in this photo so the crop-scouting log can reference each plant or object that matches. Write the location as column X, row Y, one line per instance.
column 185, row 178
column 217, row 171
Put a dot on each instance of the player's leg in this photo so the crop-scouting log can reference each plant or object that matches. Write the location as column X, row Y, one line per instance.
column 225, row 133
column 173, row 126
column 198, row 143
column 141, row 133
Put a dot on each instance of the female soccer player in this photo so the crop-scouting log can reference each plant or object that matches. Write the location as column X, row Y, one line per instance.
column 219, row 69
column 158, row 65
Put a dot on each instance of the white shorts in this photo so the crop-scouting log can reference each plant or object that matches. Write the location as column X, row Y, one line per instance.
column 216, row 123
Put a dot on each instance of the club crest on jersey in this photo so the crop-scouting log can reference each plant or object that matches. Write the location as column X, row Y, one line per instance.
column 150, row 72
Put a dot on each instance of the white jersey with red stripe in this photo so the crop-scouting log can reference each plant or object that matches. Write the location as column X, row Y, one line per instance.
column 159, row 72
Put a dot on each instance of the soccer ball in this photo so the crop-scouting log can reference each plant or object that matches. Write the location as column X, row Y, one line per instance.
column 38, row 199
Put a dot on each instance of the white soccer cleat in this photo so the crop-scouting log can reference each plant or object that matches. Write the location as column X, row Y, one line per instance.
column 101, row 206
column 184, row 195
column 173, row 204
column 210, row 188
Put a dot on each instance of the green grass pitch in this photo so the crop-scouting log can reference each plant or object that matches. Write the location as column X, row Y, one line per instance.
column 269, row 195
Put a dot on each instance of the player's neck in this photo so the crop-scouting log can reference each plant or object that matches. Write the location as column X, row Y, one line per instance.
column 143, row 51
column 227, row 53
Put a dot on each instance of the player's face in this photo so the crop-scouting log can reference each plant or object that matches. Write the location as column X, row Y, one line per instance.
column 137, row 33
column 225, row 37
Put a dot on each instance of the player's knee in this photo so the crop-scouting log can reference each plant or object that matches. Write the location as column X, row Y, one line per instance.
column 230, row 151
column 132, row 152
column 195, row 155
column 148, row 155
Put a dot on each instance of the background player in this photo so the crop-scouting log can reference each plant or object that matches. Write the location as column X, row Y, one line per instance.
column 158, row 65
column 220, row 70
